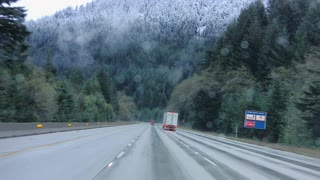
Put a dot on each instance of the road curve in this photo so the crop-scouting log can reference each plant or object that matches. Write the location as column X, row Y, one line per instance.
column 145, row 152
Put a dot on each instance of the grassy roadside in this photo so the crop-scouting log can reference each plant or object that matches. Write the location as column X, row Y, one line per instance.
column 312, row 152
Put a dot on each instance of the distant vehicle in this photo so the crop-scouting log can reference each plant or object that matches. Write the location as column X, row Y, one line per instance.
column 152, row 122
column 170, row 121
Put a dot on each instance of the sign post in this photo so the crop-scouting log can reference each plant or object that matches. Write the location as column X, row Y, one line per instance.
column 255, row 119
column 237, row 131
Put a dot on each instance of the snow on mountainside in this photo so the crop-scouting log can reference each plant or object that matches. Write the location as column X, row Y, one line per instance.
column 210, row 17
column 123, row 22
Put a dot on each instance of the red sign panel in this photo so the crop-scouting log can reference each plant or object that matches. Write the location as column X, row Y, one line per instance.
column 250, row 124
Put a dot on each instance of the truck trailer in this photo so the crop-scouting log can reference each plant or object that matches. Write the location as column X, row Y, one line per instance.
column 170, row 121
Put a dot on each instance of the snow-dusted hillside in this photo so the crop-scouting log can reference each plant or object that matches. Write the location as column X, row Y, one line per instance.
column 146, row 46
column 209, row 17
column 117, row 24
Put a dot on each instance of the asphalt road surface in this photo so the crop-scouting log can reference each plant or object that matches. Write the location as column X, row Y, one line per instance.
column 145, row 152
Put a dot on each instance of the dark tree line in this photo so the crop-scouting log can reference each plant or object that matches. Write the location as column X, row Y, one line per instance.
column 267, row 61
column 29, row 93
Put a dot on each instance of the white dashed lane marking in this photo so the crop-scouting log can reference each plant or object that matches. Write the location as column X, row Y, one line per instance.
column 110, row 164
column 210, row 161
column 121, row 154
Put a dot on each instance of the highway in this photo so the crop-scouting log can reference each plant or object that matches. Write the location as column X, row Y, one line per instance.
column 145, row 152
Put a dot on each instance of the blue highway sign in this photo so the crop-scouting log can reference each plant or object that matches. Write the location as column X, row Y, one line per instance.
column 255, row 119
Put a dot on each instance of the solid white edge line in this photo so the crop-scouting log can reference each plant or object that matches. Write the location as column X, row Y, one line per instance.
column 121, row 154
column 210, row 161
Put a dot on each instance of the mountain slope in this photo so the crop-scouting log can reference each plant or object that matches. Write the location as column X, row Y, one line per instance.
column 158, row 42
column 136, row 20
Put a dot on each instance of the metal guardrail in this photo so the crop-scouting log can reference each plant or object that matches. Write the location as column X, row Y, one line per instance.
column 23, row 129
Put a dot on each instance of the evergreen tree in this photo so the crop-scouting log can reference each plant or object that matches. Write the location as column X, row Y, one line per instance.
column 231, row 114
column 225, row 47
column 103, row 109
column 302, row 44
column 296, row 131
column 108, row 90
column 88, row 109
column 288, row 13
column 311, row 24
column 249, row 49
column 21, row 100
column 12, row 53
column 310, row 106
column 205, row 109
column 12, row 32
column 127, row 107
column 276, row 112
column 114, row 100
column 110, row 115
column 76, row 78
column 66, row 102
column 91, row 86
column 308, row 33
column 242, row 41
column 49, row 68
column 43, row 95
column 6, row 106
column 276, row 49
column 105, row 86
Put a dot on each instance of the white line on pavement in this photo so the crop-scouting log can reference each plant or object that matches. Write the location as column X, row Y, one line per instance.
column 121, row 154
column 210, row 161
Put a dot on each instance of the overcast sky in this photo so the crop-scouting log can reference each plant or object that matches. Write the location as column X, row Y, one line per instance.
column 39, row 8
